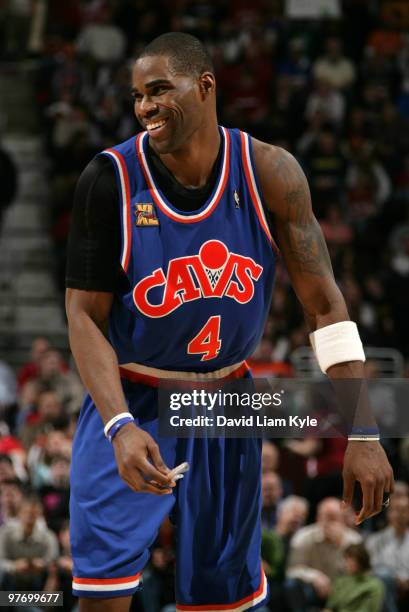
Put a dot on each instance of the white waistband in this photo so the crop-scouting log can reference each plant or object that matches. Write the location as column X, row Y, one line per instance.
column 173, row 375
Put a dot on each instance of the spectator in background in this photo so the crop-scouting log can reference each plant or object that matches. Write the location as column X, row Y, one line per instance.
column 323, row 467
column 325, row 166
column 291, row 516
column 70, row 123
column 311, row 134
column 7, row 471
column 368, row 185
column 57, row 445
column 246, row 98
column 272, row 493
column 11, row 446
column 333, row 67
column 401, row 490
column 275, row 543
column 389, row 552
column 392, row 137
column 102, row 41
column 11, row 498
column 49, row 466
column 30, row 370
column 26, row 548
column 359, row 590
column 49, row 416
column 297, row 64
column 66, row 384
column 60, row 571
column 270, row 457
column 327, row 101
column 28, row 400
column 316, row 556
column 56, row 494
column 353, row 294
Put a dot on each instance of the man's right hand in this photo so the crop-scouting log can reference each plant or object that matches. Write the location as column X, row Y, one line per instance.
column 133, row 449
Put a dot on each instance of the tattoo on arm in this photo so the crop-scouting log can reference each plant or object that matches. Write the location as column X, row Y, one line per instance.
column 301, row 231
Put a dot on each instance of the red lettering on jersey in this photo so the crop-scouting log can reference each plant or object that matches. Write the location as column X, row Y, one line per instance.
column 140, row 296
column 246, row 271
column 180, row 281
column 213, row 273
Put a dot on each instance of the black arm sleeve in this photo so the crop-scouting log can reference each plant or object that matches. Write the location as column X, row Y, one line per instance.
column 94, row 244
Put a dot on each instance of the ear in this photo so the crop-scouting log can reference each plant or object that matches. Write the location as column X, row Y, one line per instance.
column 207, row 84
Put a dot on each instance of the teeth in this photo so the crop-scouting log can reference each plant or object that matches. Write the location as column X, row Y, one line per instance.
column 157, row 124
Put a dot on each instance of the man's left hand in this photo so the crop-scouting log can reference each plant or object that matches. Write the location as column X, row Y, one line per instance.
column 366, row 462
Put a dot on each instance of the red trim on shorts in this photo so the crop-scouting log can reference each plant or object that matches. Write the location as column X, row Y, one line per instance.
column 107, row 580
column 233, row 606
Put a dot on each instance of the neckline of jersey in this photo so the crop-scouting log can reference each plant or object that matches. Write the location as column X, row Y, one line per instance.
column 162, row 201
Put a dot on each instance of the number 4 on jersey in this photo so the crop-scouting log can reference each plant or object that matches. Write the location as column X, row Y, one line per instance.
column 207, row 342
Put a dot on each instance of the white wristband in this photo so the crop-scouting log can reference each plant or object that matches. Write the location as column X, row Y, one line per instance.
column 337, row 343
column 114, row 419
column 364, row 438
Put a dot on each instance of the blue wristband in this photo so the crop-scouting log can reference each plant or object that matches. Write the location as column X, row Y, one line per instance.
column 113, row 430
column 364, row 431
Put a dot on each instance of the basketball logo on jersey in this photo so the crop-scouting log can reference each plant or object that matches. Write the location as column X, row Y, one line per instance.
column 145, row 215
column 213, row 273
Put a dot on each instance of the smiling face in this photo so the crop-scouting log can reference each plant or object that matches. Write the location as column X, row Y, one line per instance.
column 170, row 106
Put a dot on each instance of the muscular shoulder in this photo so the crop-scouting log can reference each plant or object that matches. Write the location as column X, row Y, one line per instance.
column 266, row 155
column 280, row 176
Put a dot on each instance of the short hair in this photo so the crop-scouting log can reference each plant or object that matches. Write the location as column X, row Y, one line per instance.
column 360, row 554
column 187, row 54
column 290, row 500
column 13, row 482
column 6, row 459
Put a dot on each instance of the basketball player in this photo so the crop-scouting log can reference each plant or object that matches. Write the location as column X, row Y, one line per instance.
column 170, row 250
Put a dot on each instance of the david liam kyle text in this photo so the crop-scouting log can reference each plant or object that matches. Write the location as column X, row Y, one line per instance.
column 252, row 420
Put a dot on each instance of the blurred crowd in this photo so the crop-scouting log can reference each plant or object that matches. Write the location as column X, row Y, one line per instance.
column 336, row 94
column 38, row 413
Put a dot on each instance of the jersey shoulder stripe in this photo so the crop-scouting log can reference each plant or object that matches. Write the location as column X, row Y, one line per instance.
column 125, row 196
column 256, row 198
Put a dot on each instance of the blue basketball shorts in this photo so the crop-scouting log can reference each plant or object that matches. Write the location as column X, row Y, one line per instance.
column 215, row 508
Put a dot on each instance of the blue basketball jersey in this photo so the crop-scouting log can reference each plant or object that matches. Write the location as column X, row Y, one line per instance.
column 199, row 283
